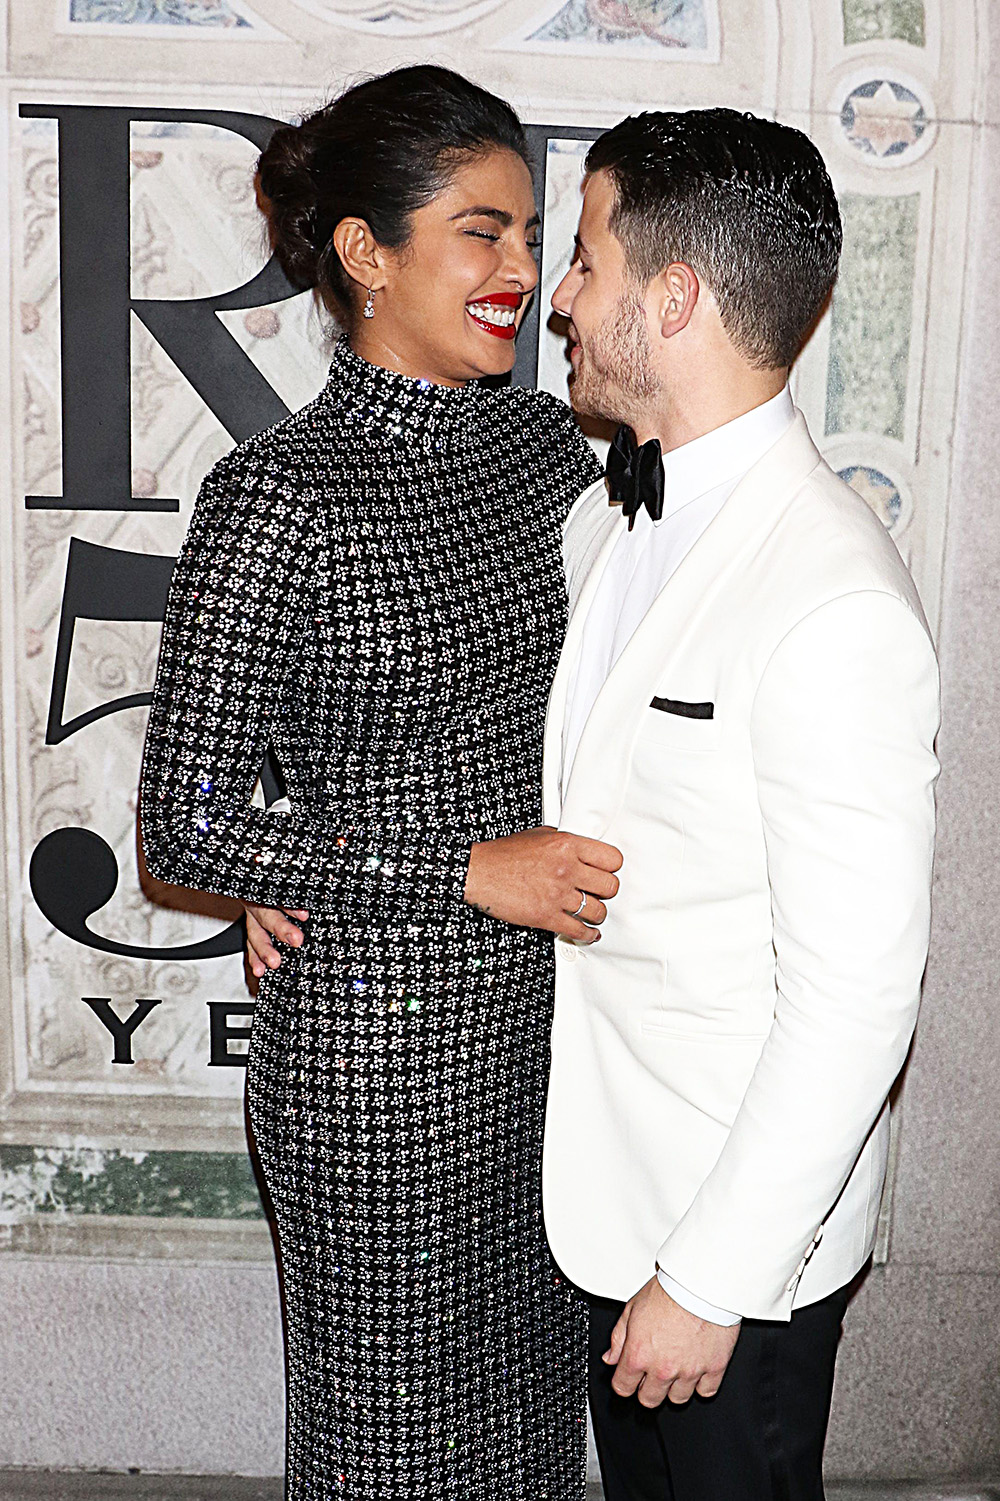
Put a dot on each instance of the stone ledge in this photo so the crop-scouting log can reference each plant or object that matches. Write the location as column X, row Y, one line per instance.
column 881, row 1490
column 910, row 1491
column 61, row 1485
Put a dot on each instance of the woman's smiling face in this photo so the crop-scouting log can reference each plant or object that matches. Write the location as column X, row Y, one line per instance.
column 453, row 297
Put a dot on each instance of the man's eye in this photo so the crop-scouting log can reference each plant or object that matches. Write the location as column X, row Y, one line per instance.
column 483, row 234
column 534, row 245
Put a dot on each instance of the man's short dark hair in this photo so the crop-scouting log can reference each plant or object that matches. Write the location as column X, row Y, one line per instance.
column 747, row 203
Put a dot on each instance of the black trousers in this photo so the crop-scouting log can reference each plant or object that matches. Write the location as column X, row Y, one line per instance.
column 759, row 1439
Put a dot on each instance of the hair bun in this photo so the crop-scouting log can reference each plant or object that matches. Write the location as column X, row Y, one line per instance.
column 288, row 188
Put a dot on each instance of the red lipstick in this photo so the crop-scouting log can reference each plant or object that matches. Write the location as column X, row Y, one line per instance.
column 503, row 326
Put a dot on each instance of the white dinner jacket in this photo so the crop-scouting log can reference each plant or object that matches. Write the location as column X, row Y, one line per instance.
column 721, row 1059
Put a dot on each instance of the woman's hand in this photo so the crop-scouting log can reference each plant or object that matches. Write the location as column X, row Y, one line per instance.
column 265, row 924
column 538, row 878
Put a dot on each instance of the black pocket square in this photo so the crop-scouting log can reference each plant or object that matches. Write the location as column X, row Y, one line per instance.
column 687, row 711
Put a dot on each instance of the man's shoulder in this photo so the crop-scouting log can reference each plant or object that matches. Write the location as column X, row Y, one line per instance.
column 818, row 539
column 837, row 545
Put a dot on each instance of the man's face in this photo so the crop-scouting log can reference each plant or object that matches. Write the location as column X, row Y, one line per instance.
column 609, row 343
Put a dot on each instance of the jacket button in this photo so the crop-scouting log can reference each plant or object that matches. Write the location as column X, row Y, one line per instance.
column 566, row 949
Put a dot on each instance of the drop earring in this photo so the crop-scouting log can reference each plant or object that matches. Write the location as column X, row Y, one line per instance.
column 369, row 307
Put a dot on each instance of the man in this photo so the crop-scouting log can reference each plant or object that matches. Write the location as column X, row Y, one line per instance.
column 746, row 705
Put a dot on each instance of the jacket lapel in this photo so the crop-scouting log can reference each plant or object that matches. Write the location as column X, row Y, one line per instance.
column 597, row 780
column 600, row 532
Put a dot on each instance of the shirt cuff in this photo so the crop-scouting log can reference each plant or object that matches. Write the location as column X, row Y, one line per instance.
column 698, row 1306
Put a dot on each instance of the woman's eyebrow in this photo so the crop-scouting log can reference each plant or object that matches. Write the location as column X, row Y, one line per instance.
column 482, row 211
column 500, row 215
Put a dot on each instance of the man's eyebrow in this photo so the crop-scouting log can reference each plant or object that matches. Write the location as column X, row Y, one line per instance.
column 499, row 215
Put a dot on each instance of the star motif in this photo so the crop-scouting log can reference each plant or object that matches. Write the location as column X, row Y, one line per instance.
column 882, row 121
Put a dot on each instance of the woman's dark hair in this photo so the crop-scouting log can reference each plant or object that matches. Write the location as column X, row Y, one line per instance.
column 746, row 202
column 379, row 152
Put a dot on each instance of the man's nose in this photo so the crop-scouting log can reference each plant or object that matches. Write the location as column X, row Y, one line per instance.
column 562, row 297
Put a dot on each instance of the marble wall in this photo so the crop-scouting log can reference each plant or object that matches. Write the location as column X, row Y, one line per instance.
column 126, row 1185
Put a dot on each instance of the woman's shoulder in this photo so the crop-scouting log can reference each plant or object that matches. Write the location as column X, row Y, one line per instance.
column 280, row 465
column 276, row 454
column 537, row 408
column 267, row 492
column 549, row 425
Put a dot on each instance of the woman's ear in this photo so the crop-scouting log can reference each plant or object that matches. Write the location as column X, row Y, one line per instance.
column 360, row 253
column 677, row 299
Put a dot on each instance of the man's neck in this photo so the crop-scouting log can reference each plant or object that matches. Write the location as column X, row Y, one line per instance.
column 701, row 405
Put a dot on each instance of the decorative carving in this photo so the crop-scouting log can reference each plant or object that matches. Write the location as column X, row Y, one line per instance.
column 400, row 17
column 884, row 119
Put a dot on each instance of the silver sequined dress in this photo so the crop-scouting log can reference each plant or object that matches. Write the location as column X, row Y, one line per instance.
column 374, row 587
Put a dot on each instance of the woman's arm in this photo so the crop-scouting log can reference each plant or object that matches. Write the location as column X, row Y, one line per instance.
column 239, row 606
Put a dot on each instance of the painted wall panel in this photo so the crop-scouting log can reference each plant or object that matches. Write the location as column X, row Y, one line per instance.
column 146, row 1160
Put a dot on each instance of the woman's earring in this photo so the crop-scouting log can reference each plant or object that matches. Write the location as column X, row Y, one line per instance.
column 369, row 307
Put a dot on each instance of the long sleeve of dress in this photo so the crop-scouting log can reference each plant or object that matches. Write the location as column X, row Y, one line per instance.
column 240, row 604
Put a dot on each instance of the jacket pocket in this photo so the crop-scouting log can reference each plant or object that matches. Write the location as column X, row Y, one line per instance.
column 679, row 732
column 682, row 709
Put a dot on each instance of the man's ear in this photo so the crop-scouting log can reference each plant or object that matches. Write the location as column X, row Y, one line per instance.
column 677, row 292
column 360, row 253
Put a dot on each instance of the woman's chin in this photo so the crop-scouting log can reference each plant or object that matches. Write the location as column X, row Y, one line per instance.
column 497, row 360
column 476, row 357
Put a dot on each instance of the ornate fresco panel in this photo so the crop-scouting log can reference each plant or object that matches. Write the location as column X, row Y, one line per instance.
column 870, row 332
column 148, row 1156
column 664, row 30
column 884, row 20
column 197, row 20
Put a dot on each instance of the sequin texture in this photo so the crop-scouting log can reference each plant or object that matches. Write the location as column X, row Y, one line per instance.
column 374, row 587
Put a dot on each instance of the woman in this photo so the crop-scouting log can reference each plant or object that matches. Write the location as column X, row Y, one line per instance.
column 374, row 586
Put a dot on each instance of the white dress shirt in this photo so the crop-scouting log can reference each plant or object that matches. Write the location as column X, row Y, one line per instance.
column 699, row 478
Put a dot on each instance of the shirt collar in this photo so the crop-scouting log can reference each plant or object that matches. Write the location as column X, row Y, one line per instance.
column 726, row 453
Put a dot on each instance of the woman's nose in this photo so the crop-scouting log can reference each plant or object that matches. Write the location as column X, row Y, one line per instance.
column 524, row 270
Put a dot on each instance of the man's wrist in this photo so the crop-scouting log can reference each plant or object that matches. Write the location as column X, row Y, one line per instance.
column 700, row 1307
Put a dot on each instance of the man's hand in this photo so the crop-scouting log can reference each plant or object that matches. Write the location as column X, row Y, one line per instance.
column 538, row 879
column 265, row 924
column 661, row 1350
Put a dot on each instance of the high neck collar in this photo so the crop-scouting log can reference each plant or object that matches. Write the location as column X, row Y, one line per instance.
column 398, row 406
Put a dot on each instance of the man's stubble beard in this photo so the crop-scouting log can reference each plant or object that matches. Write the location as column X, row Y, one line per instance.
column 614, row 377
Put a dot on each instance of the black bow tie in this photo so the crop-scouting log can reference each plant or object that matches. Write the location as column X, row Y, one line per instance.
column 635, row 475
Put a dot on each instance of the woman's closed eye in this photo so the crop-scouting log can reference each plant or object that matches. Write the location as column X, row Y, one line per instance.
column 494, row 238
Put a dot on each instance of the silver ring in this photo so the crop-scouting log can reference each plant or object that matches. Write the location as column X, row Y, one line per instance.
column 583, row 903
